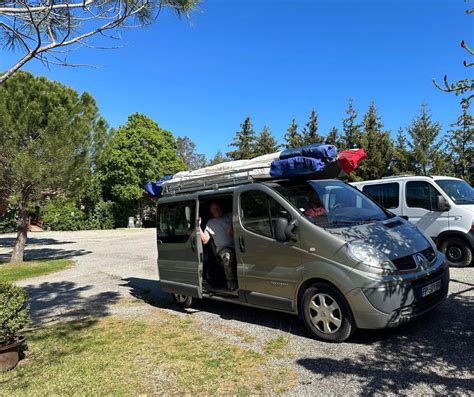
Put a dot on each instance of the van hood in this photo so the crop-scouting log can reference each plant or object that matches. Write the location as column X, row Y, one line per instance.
column 394, row 237
column 468, row 207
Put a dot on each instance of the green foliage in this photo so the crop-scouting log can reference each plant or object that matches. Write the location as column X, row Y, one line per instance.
column 14, row 311
column 187, row 152
column 244, row 141
column 310, row 130
column 424, row 143
column 292, row 137
column 332, row 138
column 102, row 217
column 266, row 143
column 402, row 160
column 218, row 158
column 352, row 132
column 378, row 146
column 9, row 220
column 62, row 214
column 461, row 146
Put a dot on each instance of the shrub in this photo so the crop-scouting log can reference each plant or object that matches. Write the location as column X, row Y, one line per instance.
column 8, row 222
column 14, row 311
column 61, row 214
column 102, row 217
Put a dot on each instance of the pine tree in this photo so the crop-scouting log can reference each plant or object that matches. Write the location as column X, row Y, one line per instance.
column 424, row 144
column 218, row 158
column 401, row 160
column 244, row 141
column 378, row 146
column 352, row 131
column 310, row 130
column 266, row 143
column 332, row 137
column 461, row 146
column 292, row 137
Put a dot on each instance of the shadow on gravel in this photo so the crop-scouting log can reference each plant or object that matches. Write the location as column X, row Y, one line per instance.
column 46, row 253
column 63, row 300
column 10, row 241
column 404, row 357
column 149, row 291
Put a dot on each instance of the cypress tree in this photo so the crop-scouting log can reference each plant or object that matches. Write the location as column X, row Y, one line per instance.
column 266, row 143
column 244, row 141
column 292, row 137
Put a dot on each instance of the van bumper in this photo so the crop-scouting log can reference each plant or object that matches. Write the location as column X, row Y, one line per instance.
column 389, row 305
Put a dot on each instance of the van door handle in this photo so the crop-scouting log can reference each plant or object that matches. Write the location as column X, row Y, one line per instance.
column 193, row 243
column 242, row 244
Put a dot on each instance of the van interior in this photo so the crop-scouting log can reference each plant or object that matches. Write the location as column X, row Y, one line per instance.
column 213, row 273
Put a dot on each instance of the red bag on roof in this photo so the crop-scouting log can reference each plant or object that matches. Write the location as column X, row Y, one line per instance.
column 349, row 159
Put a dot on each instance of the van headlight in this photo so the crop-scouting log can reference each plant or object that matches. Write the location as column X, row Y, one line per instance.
column 370, row 256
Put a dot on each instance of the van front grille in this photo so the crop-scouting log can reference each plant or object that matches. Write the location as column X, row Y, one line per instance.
column 408, row 262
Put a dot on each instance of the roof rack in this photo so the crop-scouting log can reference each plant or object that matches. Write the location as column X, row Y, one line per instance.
column 213, row 182
column 404, row 176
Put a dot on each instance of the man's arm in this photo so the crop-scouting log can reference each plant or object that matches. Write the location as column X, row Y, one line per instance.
column 204, row 234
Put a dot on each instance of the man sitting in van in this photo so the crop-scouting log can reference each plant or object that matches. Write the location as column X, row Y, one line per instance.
column 220, row 228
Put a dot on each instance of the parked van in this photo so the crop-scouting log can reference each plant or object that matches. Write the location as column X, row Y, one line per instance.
column 345, row 265
column 442, row 206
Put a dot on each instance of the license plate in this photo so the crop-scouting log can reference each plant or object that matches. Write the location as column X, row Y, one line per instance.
column 430, row 288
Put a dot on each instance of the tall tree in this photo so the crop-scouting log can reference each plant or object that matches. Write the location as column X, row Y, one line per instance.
column 332, row 138
column 244, row 141
column 49, row 30
column 352, row 134
column 292, row 137
column 138, row 152
column 401, row 161
column 187, row 152
column 218, row 158
column 424, row 143
column 378, row 146
column 461, row 145
column 310, row 130
column 266, row 143
column 47, row 137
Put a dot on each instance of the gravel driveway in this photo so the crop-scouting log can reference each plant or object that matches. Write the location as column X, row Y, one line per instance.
column 434, row 354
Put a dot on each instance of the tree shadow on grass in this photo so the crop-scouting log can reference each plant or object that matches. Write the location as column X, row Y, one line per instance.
column 66, row 301
column 435, row 352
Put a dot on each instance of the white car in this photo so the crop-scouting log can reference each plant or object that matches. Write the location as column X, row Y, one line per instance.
column 442, row 206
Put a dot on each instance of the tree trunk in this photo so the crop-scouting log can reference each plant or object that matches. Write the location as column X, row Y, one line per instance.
column 22, row 232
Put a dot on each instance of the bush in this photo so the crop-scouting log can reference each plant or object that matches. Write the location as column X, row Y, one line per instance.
column 8, row 222
column 61, row 214
column 102, row 217
column 14, row 311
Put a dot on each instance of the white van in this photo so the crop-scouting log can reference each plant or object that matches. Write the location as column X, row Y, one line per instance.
column 442, row 206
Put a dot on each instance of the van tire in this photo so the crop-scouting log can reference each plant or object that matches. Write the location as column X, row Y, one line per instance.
column 337, row 323
column 457, row 252
column 183, row 300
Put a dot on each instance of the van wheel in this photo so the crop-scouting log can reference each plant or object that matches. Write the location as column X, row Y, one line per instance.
column 183, row 300
column 458, row 254
column 326, row 313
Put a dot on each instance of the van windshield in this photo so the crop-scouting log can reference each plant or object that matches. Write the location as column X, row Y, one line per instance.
column 331, row 203
column 459, row 191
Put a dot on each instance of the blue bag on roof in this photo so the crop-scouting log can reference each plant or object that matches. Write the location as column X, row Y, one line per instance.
column 295, row 167
column 320, row 151
column 154, row 189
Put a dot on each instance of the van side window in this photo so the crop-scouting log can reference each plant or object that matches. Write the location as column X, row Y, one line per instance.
column 386, row 194
column 259, row 212
column 176, row 221
column 420, row 194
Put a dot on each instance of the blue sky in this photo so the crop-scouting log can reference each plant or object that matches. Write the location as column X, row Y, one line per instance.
column 274, row 60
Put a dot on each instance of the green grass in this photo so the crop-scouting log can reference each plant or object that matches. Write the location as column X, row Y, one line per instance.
column 19, row 271
column 166, row 354
column 276, row 344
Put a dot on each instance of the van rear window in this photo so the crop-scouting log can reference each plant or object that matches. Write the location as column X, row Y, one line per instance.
column 386, row 194
column 175, row 221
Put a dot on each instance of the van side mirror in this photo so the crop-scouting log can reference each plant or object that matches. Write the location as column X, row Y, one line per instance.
column 284, row 229
column 442, row 204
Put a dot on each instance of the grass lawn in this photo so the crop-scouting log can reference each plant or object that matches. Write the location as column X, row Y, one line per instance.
column 19, row 271
column 166, row 354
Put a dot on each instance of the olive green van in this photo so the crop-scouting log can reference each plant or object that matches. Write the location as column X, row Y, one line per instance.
column 351, row 264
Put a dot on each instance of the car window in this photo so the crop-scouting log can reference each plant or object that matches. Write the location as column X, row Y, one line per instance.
column 176, row 221
column 420, row 194
column 386, row 194
column 259, row 211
